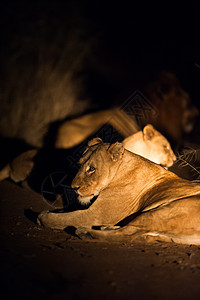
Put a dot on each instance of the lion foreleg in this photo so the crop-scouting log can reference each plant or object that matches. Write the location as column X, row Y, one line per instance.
column 62, row 220
column 101, row 212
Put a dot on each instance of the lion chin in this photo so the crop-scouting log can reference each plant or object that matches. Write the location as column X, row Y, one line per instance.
column 84, row 200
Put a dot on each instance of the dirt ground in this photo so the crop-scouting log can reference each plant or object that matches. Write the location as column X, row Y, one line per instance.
column 39, row 263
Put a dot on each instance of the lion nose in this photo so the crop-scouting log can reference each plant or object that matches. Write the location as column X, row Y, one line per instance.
column 75, row 188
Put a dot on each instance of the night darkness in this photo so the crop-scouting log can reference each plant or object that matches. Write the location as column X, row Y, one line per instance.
column 128, row 41
column 58, row 61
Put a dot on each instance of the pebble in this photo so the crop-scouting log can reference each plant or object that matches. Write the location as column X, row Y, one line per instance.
column 112, row 283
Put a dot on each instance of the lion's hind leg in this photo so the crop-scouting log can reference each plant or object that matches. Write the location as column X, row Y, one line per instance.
column 133, row 233
column 193, row 239
column 110, row 233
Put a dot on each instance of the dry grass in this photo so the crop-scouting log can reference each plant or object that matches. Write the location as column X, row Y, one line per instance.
column 190, row 157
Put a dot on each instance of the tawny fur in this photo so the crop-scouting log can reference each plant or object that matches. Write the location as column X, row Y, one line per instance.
column 168, row 207
column 175, row 113
column 20, row 168
column 152, row 145
column 73, row 132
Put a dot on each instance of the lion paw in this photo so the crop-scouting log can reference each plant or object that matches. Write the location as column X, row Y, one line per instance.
column 41, row 217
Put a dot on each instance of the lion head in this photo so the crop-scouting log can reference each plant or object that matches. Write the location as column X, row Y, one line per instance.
column 176, row 115
column 99, row 165
column 151, row 144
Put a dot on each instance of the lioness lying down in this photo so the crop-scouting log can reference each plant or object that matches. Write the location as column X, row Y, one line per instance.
column 148, row 142
column 157, row 202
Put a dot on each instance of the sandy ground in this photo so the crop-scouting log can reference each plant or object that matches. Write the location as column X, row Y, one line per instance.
column 39, row 263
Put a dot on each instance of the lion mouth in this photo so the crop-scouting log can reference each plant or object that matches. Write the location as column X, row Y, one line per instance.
column 167, row 165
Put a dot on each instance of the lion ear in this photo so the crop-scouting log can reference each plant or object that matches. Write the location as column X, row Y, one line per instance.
column 116, row 151
column 148, row 132
column 95, row 141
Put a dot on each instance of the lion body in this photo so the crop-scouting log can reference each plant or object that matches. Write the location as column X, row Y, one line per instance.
column 75, row 131
column 166, row 100
column 157, row 202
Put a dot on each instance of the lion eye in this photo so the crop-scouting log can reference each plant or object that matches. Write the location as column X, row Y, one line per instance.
column 91, row 169
column 165, row 147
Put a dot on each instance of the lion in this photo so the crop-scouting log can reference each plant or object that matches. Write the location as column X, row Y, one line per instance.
column 165, row 105
column 176, row 115
column 152, row 145
column 20, row 167
column 75, row 131
column 129, row 189
column 147, row 142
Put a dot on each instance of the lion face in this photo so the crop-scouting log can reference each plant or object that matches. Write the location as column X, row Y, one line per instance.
column 99, row 164
column 158, row 147
column 161, row 152
column 152, row 145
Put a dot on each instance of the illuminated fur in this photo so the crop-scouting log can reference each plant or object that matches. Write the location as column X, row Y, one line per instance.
column 160, row 205
column 74, row 131
column 151, row 144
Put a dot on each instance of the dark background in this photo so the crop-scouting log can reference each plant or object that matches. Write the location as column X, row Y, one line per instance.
column 130, row 40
